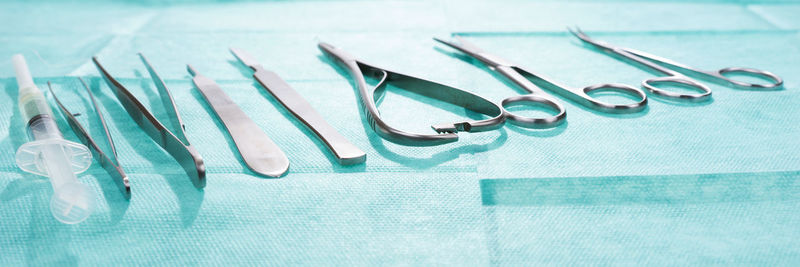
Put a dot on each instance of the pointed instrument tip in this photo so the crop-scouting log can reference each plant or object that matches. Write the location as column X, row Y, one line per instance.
column 191, row 70
column 577, row 32
column 244, row 57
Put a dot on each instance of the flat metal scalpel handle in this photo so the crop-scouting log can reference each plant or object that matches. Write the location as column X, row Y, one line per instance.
column 346, row 153
column 258, row 151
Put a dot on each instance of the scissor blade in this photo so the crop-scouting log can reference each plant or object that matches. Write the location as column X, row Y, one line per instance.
column 462, row 45
column 186, row 155
column 258, row 151
column 585, row 38
column 660, row 60
column 245, row 58
column 110, row 165
column 475, row 52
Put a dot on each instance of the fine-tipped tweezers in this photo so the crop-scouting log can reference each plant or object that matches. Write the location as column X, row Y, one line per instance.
column 174, row 142
column 371, row 96
column 108, row 161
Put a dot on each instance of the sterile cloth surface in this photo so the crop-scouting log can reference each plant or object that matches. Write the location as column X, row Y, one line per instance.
column 702, row 184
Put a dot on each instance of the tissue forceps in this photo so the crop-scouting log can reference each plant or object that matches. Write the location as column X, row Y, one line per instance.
column 370, row 97
column 109, row 162
column 174, row 142
column 677, row 74
column 520, row 77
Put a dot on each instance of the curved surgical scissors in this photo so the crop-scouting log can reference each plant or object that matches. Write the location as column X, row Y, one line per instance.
column 370, row 97
column 679, row 77
column 520, row 77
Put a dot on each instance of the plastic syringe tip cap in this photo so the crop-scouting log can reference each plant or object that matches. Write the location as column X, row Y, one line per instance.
column 24, row 79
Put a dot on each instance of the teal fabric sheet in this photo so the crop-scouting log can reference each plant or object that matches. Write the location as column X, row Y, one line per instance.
column 708, row 184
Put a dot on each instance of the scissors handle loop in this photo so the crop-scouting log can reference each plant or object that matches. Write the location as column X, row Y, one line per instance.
column 652, row 86
column 638, row 95
column 534, row 122
column 776, row 81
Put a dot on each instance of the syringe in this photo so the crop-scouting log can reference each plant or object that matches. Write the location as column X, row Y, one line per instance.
column 48, row 154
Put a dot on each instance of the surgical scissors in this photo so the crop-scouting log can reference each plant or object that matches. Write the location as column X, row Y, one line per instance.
column 677, row 74
column 520, row 77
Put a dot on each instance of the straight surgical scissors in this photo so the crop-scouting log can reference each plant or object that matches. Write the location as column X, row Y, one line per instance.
column 520, row 77
column 679, row 77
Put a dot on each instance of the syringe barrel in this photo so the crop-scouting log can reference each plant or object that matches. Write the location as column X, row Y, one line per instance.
column 49, row 154
column 38, row 117
column 58, row 165
column 43, row 126
column 23, row 74
column 32, row 104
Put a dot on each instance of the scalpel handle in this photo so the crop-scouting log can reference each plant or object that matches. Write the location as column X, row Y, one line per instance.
column 345, row 152
column 258, row 151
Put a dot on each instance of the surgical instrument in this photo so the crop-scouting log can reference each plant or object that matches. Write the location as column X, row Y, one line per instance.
column 174, row 142
column 527, row 80
column 49, row 154
column 345, row 152
column 109, row 161
column 256, row 148
column 677, row 73
column 370, row 97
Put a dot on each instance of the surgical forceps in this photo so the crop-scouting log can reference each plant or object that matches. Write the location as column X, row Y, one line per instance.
column 174, row 142
column 677, row 74
column 371, row 96
column 520, row 77
column 109, row 162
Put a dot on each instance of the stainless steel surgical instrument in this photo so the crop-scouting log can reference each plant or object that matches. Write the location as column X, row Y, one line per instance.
column 528, row 80
column 346, row 153
column 174, row 142
column 677, row 73
column 370, row 97
column 108, row 161
column 256, row 148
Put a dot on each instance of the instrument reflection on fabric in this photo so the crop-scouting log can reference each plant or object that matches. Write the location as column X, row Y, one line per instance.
column 345, row 152
column 677, row 77
column 109, row 162
column 48, row 154
column 256, row 148
column 174, row 142
column 371, row 97
column 525, row 79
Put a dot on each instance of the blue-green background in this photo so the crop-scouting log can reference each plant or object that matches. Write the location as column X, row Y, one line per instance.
column 709, row 184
